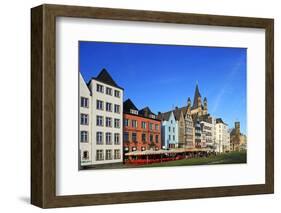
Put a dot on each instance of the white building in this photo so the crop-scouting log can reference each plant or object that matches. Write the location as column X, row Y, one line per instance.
column 105, row 121
column 222, row 140
column 85, row 126
column 207, row 133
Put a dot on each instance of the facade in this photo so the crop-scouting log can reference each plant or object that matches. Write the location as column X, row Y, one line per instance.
column 238, row 141
column 198, row 134
column 169, row 130
column 222, row 135
column 142, row 130
column 207, row 132
column 85, row 123
column 213, row 120
column 179, row 117
column 189, row 129
column 105, row 121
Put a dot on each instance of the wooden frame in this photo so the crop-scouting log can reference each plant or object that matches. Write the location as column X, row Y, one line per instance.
column 43, row 105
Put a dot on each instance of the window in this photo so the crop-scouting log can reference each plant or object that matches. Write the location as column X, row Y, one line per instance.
column 116, row 138
column 151, row 138
column 100, row 104
column 85, row 155
column 150, row 126
column 126, row 136
column 99, row 154
column 84, row 102
column 84, row 136
column 108, row 107
column 143, row 137
column 134, row 136
column 134, row 124
column 117, row 93
column 133, row 111
column 117, row 123
column 173, row 129
column 108, row 154
column 99, row 120
column 99, row 138
column 116, row 108
column 117, row 154
column 173, row 137
column 169, row 129
column 108, row 138
column 157, row 138
column 156, row 127
column 108, row 91
column 99, row 88
column 126, row 122
column 152, row 116
column 108, row 122
column 143, row 125
column 169, row 137
column 84, row 119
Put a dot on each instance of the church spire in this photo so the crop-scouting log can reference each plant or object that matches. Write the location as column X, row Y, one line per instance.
column 197, row 97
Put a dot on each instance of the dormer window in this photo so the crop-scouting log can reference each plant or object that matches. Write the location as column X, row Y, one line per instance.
column 132, row 111
column 152, row 116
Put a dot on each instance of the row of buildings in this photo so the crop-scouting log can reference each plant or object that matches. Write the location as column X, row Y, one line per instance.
column 111, row 127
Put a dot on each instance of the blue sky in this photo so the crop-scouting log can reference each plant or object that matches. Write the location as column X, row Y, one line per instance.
column 164, row 76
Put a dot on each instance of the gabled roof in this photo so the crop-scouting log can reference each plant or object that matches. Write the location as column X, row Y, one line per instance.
column 177, row 113
column 219, row 120
column 127, row 105
column 196, row 96
column 147, row 111
column 106, row 78
column 164, row 116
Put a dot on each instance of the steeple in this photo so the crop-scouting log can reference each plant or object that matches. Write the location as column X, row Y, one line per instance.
column 188, row 105
column 197, row 98
column 205, row 104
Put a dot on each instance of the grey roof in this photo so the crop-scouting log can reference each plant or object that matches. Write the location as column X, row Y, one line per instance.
column 106, row 78
column 219, row 120
column 127, row 105
column 145, row 112
column 196, row 96
column 176, row 111
column 164, row 116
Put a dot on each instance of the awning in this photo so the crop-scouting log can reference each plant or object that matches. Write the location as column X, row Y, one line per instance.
column 170, row 151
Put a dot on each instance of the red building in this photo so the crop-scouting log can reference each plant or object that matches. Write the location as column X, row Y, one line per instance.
column 141, row 129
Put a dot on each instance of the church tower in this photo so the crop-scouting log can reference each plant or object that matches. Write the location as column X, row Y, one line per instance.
column 188, row 105
column 197, row 103
column 205, row 107
column 237, row 128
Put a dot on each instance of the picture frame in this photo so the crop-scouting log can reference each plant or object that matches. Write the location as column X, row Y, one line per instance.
column 43, row 105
